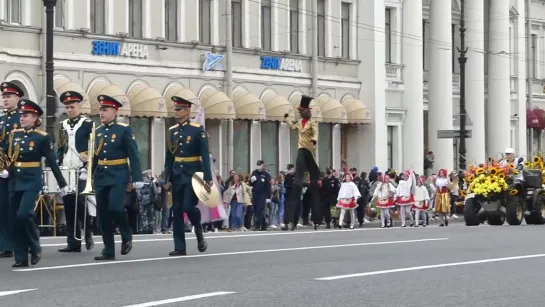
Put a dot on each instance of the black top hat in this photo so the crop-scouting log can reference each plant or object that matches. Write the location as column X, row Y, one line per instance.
column 107, row 101
column 71, row 97
column 11, row 88
column 29, row 106
column 180, row 102
column 305, row 102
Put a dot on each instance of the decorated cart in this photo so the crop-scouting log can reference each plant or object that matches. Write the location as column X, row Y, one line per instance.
column 498, row 193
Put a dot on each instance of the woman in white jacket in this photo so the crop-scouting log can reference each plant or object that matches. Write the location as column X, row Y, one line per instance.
column 237, row 197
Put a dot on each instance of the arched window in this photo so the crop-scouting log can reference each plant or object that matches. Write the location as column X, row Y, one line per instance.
column 241, row 142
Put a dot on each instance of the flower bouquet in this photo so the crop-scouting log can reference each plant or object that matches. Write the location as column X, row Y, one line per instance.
column 488, row 181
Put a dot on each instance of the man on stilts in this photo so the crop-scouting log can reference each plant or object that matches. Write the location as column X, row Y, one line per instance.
column 308, row 136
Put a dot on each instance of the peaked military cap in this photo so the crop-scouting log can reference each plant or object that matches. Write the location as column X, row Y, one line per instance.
column 107, row 101
column 29, row 106
column 71, row 97
column 11, row 88
column 260, row 162
column 305, row 102
column 180, row 102
column 290, row 166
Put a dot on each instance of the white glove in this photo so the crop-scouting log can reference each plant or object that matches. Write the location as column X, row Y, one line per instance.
column 268, row 201
column 253, row 178
column 64, row 191
column 4, row 174
column 138, row 185
column 83, row 174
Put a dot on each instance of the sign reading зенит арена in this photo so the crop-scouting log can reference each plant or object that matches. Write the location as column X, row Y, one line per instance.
column 120, row 49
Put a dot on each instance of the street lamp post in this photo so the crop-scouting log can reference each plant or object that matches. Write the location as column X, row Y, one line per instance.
column 51, row 105
column 462, row 61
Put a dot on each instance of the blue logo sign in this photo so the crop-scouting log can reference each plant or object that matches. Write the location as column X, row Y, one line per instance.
column 270, row 62
column 120, row 49
column 276, row 63
column 212, row 61
column 106, row 48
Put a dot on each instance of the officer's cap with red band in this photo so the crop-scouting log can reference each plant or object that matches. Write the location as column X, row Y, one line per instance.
column 110, row 102
column 180, row 102
column 29, row 106
column 70, row 97
column 10, row 88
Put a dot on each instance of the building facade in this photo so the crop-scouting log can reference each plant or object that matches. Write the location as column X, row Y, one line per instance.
column 384, row 74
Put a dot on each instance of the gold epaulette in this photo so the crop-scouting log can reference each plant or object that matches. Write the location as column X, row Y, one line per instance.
column 123, row 124
column 194, row 124
column 174, row 127
column 98, row 127
column 17, row 130
column 40, row 131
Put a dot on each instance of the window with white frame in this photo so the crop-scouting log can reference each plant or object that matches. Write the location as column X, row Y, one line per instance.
column 59, row 14
column 325, row 158
column 98, row 16
column 294, row 26
column 453, row 43
column 388, row 35
column 13, row 11
column 269, row 145
column 266, row 25
column 534, row 56
column 135, row 18
column 236, row 23
column 171, row 20
column 321, row 28
column 511, row 51
column 205, row 29
column 425, row 33
column 390, row 147
column 345, row 29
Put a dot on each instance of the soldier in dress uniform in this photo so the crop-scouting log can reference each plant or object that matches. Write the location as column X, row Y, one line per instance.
column 308, row 136
column 115, row 165
column 74, row 135
column 187, row 153
column 26, row 148
column 11, row 94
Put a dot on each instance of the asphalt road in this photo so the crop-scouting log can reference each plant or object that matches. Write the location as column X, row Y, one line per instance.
column 452, row 266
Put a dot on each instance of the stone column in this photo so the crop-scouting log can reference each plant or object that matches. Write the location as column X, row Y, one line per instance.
column 440, row 83
column 476, row 146
column 413, row 97
column 372, row 139
column 498, row 109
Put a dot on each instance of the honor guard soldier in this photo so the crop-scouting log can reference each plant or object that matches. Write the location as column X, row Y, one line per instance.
column 115, row 164
column 187, row 154
column 26, row 148
column 11, row 94
column 74, row 136
column 308, row 136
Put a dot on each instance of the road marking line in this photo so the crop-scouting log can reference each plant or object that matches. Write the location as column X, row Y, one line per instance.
column 228, row 236
column 434, row 266
column 181, row 299
column 224, row 254
column 6, row 293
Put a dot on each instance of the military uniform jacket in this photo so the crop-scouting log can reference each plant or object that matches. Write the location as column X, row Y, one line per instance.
column 73, row 136
column 262, row 184
column 332, row 185
column 187, row 153
column 26, row 148
column 115, row 152
column 8, row 122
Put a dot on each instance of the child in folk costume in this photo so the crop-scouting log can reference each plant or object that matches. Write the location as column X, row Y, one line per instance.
column 347, row 199
column 405, row 196
column 384, row 194
column 421, row 202
column 442, row 196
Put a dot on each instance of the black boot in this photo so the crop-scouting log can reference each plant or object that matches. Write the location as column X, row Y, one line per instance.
column 201, row 242
column 6, row 254
column 35, row 258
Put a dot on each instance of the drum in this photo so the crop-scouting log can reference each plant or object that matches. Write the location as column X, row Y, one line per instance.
column 50, row 183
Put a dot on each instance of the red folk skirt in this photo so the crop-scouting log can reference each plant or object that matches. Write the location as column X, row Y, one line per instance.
column 385, row 202
column 347, row 203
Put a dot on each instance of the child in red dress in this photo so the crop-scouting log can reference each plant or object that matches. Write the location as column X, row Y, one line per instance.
column 347, row 199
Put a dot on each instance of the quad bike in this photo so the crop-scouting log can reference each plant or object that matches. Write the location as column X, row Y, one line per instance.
column 527, row 203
